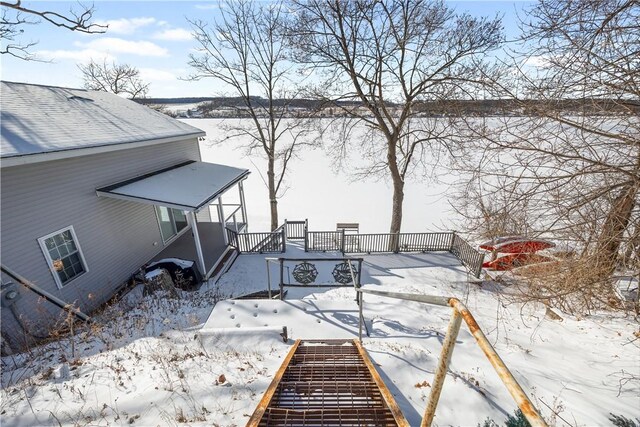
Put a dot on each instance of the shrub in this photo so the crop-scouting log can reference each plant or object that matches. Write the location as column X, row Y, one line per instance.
column 620, row 421
column 518, row 420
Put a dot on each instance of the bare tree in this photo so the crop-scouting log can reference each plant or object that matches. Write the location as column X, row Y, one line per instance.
column 390, row 56
column 244, row 50
column 15, row 16
column 573, row 157
column 114, row 78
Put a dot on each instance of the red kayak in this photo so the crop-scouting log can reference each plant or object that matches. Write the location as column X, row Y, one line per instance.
column 510, row 261
column 517, row 245
column 498, row 241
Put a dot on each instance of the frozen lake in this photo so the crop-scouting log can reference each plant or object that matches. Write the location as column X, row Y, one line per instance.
column 325, row 196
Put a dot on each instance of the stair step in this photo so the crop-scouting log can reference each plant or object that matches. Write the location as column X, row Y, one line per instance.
column 324, row 383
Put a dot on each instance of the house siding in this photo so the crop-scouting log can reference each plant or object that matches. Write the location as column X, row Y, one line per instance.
column 116, row 237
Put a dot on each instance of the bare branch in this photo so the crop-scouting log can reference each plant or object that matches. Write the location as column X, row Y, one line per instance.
column 569, row 154
column 388, row 56
column 114, row 78
column 244, row 50
column 11, row 25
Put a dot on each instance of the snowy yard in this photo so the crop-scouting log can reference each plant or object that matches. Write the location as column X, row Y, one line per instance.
column 150, row 365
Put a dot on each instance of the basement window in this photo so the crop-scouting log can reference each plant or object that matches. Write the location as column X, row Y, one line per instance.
column 63, row 255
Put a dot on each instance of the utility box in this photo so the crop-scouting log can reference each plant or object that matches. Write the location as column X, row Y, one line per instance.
column 9, row 294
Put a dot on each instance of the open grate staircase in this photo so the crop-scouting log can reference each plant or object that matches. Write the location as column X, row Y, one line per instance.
column 327, row 383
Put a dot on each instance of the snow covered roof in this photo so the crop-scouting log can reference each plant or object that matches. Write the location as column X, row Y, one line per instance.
column 39, row 120
column 188, row 186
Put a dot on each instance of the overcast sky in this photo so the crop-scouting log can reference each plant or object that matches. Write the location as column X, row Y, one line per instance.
column 155, row 37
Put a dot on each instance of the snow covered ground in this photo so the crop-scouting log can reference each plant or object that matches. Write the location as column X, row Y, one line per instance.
column 152, row 363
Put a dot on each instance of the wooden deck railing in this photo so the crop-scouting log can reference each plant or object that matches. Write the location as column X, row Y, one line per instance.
column 258, row 243
column 323, row 241
column 467, row 254
column 355, row 243
column 296, row 230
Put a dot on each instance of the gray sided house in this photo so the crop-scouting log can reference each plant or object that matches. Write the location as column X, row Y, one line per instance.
column 92, row 187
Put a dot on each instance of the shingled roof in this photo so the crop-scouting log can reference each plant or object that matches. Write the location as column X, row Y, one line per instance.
column 36, row 120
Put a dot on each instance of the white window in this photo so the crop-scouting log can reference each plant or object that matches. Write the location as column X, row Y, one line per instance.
column 171, row 221
column 64, row 256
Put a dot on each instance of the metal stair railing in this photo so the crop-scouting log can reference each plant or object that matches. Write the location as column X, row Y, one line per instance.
column 460, row 312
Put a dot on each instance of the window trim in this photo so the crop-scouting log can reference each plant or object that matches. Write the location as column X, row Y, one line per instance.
column 49, row 261
column 175, row 236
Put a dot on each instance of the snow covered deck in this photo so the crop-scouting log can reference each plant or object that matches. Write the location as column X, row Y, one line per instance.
column 249, row 273
column 311, row 312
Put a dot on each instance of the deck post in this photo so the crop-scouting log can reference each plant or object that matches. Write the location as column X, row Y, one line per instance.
column 283, row 248
column 196, row 239
column 242, row 206
column 284, row 229
column 268, row 279
column 223, row 221
column 360, row 301
column 281, row 279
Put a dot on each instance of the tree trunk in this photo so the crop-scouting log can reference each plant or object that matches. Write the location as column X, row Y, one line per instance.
column 398, row 198
column 617, row 221
column 398, row 184
column 396, row 214
column 273, row 201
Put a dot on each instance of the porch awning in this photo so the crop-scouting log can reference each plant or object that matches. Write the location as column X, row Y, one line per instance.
column 188, row 186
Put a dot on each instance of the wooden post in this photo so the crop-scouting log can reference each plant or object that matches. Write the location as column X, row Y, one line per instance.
column 360, row 315
column 281, row 278
column 478, row 269
column 268, row 279
column 453, row 240
column 196, row 238
column 443, row 366
column 243, row 207
column 223, row 221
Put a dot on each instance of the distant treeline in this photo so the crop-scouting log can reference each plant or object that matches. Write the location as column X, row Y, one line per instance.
column 226, row 106
column 528, row 107
column 238, row 102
